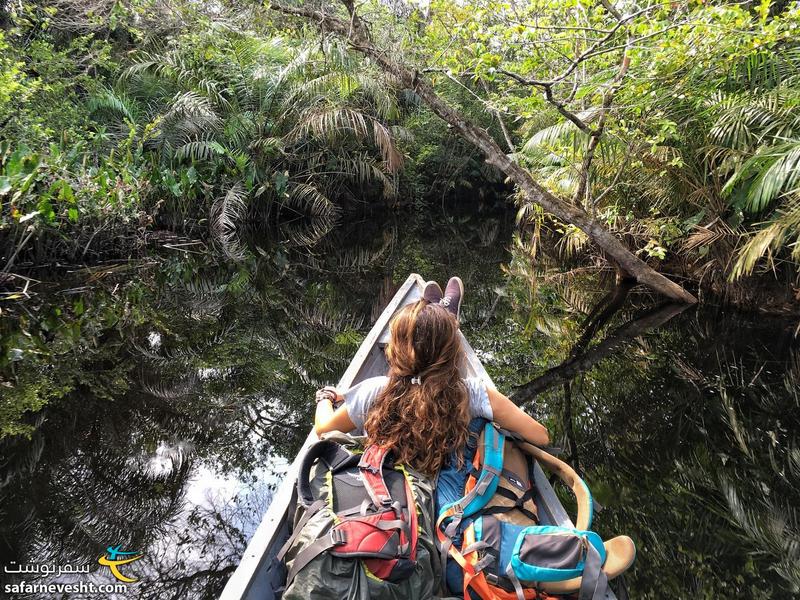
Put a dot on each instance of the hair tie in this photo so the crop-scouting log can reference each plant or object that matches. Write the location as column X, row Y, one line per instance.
column 416, row 380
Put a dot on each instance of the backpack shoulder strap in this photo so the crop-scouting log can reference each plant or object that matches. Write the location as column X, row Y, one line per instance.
column 329, row 451
column 487, row 479
column 594, row 581
column 371, row 466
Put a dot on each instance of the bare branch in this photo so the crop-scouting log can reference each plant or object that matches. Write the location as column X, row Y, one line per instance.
column 579, row 123
column 499, row 117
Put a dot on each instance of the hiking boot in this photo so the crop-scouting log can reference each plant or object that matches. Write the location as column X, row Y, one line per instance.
column 432, row 292
column 453, row 295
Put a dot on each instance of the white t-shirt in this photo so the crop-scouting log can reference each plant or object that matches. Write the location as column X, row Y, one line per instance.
column 359, row 398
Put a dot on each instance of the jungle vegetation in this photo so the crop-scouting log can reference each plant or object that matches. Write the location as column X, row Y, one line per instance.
column 201, row 177
column 672, row 126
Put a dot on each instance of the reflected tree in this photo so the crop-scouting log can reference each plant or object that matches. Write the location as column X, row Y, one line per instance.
column 687, row 436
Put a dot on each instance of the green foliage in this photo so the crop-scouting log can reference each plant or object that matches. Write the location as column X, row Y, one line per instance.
column 44, row 85
column 10, row 76
column 201, row 130
column 200, row 119
column 62, row 200
column 697, row 155
column 229, row 115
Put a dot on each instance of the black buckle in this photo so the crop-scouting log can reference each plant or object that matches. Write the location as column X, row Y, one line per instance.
column 338, row 537
column 368, row 467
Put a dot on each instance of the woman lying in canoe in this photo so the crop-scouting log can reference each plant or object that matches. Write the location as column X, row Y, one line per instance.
column 422, row 409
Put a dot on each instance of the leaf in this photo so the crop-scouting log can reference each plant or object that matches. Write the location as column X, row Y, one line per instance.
column 29, row 216
column 46, row 209
column 281, row 180
column 62, row 190
column 773, row 171
column 226, row 212
column 200, row 150
column 694, row 220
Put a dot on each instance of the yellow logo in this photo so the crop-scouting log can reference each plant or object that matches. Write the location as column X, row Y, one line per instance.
column 112, row 562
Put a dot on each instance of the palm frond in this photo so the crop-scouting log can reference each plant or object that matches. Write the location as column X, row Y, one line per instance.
column 771, row 236
column 331, row 122
column 189, row 115
column 200, row 150
column 226, row 212
column 775, row 171
column 392, row 157
column 309, row 200
column 172, row 66
column 706, row 235
column 114, row 104
column 562, row 132
column 364, row 169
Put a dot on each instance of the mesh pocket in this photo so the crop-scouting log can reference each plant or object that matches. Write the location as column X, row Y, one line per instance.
column 552, row 551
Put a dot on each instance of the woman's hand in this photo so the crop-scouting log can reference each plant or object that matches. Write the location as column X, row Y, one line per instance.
column 330, row 394
column 331, row 414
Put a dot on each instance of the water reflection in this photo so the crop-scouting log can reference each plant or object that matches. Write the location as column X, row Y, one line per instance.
column 688, row 436
column 176, row 393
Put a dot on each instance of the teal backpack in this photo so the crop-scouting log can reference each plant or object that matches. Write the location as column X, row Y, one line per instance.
column 492, row 543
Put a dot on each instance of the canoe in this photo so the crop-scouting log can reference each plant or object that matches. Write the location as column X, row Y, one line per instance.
column 259, row 574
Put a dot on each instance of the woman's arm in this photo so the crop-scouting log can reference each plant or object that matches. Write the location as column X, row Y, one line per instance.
column 329, row 419
column 510, row 416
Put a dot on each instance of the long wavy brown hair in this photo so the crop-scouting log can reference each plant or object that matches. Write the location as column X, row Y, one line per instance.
column 422, row 423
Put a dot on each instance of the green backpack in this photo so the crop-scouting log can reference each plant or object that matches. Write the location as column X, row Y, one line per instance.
column 336, row 577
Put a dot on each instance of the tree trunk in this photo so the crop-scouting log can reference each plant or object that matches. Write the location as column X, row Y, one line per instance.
column 357, row 34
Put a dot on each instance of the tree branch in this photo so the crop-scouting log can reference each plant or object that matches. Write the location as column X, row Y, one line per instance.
column 357, row 34
column 499, row 117
column 610, row 8
column 597, row 132
column 548, row 93
column 569, row 115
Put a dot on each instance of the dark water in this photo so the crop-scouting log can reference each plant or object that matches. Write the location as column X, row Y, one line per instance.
column 176, row 390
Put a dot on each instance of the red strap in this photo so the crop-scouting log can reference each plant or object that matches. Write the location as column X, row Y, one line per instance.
column 371, row 466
